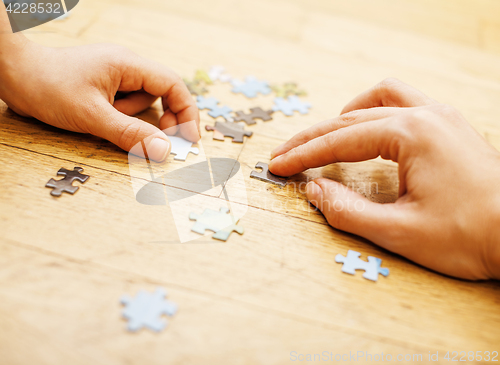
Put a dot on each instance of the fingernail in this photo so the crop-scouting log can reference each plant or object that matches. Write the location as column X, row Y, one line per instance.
column 314, row 193
column 275, row 151
column 158, row 149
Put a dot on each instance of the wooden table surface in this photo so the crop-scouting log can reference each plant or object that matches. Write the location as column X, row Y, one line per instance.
column 274, row 292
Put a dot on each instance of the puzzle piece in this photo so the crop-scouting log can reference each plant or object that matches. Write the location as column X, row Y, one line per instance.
column 221, row 222
column 146, row 310
column 215, row 110
column 206, row 103
column 352, row 262
column 288, row 106
column 219, row 73
column 266, row 175
column 287, row 89
column 181, row 148
column 223, row 111
column 202, row 76
column 256, row 113
column 250, row 87
column 234, row 130
column 195, row 88
column 66, row 184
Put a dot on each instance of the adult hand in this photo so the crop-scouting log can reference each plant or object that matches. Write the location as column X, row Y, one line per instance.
column 447, row 216
column 75, row 89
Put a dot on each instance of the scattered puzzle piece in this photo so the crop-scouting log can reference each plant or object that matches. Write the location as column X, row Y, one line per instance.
column 250, row 87
column 352, row 262
column 206, row 103
column 221, row 222
column 195, row 88
column 223, row 111
column 66, row 184
column 202, row 76
column 215, row 110
column 218, row 73
column 266, row 175
column 234, row 130
column 287, row 89
column 181, row 148
column 256, row 113
column 288, row 106
column 146, row 310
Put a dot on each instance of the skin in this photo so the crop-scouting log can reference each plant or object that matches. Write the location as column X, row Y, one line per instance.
column 95, row 89
column 447, row 216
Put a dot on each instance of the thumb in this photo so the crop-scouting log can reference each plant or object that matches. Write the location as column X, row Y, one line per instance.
column 132, row 134
column 349, row 211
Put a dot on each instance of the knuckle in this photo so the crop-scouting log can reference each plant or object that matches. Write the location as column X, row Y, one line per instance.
column 348, row 118
column 129, row 136
column 300, row 155
column 389, row 84
column 417, row 122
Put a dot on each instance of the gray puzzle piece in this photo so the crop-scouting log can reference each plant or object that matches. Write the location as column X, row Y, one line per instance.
column 255, row 113
column 233, row 130
column 146, row 310
column 181, row 148
column 266, row 175
column 66, row 185
column 220, row 222
column 352, row 262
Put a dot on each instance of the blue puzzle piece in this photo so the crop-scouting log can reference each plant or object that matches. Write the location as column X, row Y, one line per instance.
column 221, row 222
column 288, row 106
column 352, row 262
column 250, row 87
column 223, row 111
column 206, row 103
column 381, row 270
column 146, row 310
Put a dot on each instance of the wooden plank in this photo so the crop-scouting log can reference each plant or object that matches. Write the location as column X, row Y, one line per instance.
column 286, row 267
column 68, row 311
column 338, row 67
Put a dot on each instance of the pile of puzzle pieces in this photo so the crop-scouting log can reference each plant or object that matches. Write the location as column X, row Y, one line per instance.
column 287, row 101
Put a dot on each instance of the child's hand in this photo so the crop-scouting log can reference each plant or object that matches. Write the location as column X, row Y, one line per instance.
column 75, row 88
column 447, row 216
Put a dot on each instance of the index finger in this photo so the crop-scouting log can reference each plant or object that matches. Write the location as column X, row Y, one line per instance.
column 359, row 142
column 158, row 80
column 390, row 92
column 330, row 125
